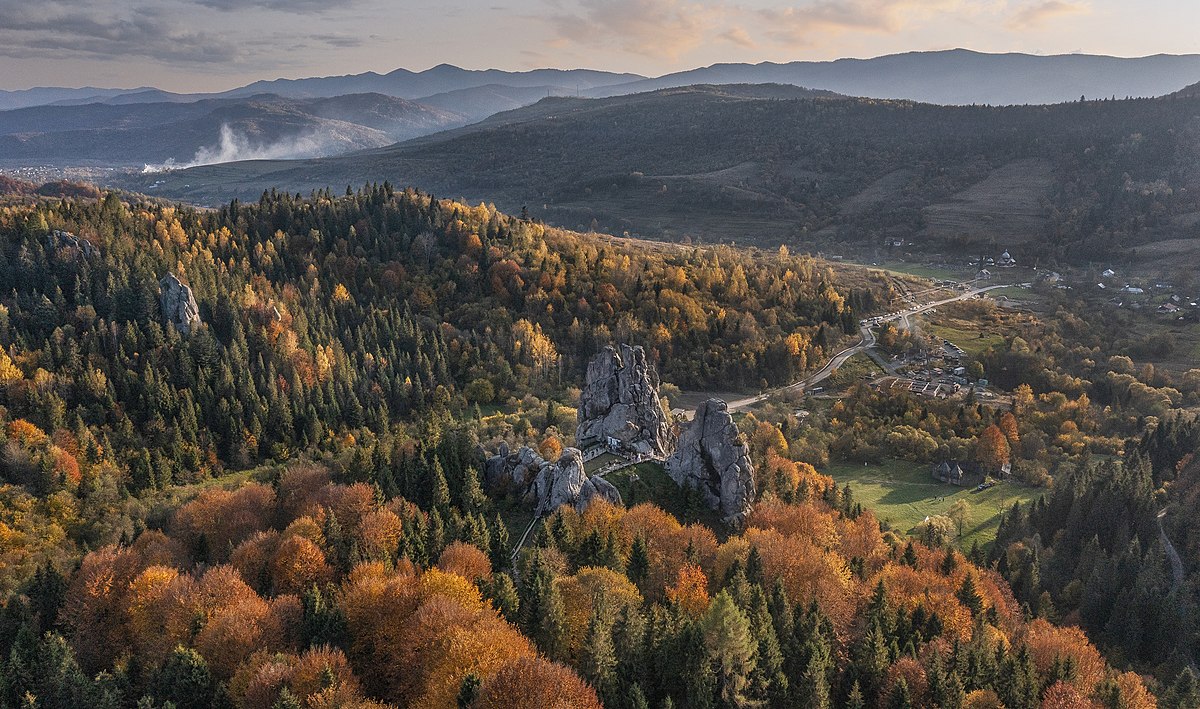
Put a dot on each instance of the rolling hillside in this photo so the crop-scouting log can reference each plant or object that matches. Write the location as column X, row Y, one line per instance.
column 134, row 134
column 777, row 164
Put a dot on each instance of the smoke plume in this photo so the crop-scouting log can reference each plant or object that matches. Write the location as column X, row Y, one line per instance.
column 234, row 146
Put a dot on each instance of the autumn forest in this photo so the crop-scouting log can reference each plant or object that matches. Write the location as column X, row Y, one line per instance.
column 308, row 452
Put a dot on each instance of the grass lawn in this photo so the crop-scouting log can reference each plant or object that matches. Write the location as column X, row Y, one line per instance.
column 1015, row 293
column 654, row 485
column 852, row 371
column 923, row 271
column 902, row 494
column 968, row 339
column 598, row 462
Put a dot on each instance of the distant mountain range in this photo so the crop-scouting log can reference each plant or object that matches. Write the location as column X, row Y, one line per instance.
column 325, row 116
column 957, row 76
column 400, row 83
column 773, row 164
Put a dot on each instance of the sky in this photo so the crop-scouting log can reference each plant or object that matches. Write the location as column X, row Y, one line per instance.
column 212, row 45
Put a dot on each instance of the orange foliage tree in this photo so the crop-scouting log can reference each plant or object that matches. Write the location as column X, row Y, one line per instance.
column 536, row 682
column 690, row 591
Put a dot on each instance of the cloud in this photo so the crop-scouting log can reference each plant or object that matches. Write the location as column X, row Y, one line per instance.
column 1037, row 14
column 291, row 6
column 662, row 29
column 739, row 36
column 670, row 29
column 799, row 23
column 101, row 30
column 169, row 32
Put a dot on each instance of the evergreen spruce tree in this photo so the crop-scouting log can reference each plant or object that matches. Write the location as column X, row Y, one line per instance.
column 541, row 609
column 287, row 700
column 502, row 592
column 468, row 691
column 901, row 697
column 185, row 681
column 500, row 543
column 731, row 647
column 471, row 497
column 598, row 663
column 854, row 699
column 969, row 596
column 1184, row 691
column 638, row 568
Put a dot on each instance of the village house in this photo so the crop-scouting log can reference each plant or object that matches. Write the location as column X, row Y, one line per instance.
column 949, row 473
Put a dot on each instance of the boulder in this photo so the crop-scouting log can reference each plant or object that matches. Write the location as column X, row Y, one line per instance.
column 620, row 401
column 560, row 483
column 713, row 458
column 178, row 304
column 597, row 488
column 507, row 469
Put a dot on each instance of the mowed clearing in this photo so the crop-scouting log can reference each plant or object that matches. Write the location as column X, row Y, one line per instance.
column 902, row 494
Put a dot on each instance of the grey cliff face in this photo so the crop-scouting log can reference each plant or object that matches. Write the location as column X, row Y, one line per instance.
column 714, row 459
column 560, row 483
column 620, row 401
column 506, row 469
column 548, row 485
column 178, row 304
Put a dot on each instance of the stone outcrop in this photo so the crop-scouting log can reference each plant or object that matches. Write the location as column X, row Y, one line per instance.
column 65, row 240
column 178, row 304
column 713, row 458
column 620, row 401
column 506, row 470
column 560, row 483
column 547, row 485
column 597, row 488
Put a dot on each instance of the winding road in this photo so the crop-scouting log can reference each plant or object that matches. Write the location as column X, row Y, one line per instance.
column 1172, row 554
column 866, row 342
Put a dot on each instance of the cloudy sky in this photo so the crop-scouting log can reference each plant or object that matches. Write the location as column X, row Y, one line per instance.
column 205, row 45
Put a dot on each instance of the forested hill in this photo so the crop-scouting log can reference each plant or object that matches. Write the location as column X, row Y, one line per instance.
column 240, row 465
column 325, row 317
column 749, row 163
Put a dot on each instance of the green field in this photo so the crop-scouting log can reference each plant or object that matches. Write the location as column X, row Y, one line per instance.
column 598, row 462
column 852, row 371
column 922, row 271
column 968, row 339
column 654, row 485
column 902, row 494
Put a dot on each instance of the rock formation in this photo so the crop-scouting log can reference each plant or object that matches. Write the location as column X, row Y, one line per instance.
column 178, row 304
column 65, row 240
column 620, row 401
column 713, row 458
column 505, row 469
column 597, row 488
column 560, row 483
column 547, row 485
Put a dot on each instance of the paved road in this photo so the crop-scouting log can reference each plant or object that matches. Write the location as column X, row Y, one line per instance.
column 1172, row 554
column 1177, row 571
column 866, row 342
